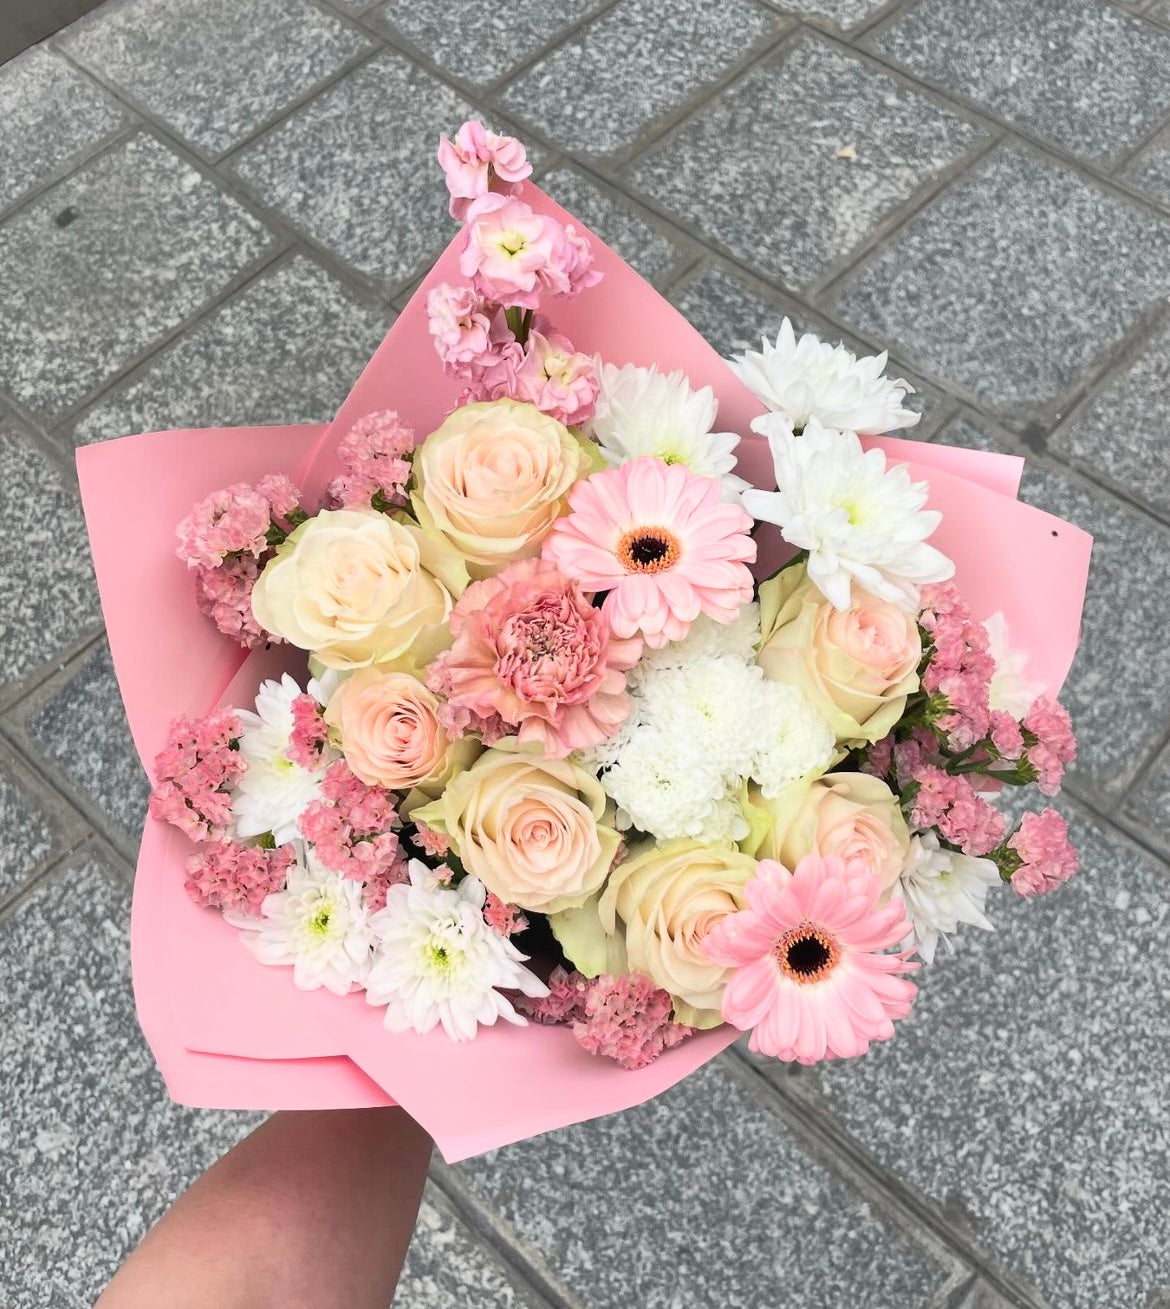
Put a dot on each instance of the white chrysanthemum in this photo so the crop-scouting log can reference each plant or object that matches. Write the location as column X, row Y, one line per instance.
column 940, row 889
column 1010, row 690
column 439, row 962
column 703, row 723
column 641, row 411
column 273, row 791
column 318, row 924
column 707, row 637
column 859, row 520
column 809, row 379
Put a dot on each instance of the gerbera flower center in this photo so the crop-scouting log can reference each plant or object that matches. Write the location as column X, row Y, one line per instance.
column 807, row 953
column 648, row 550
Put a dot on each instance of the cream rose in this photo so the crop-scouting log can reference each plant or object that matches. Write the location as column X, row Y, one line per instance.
column 350, row 586
column 493, row 479
column 536, row 832
column 668, row 898
column 388, row 728
column 857, row 666
column 851, row 815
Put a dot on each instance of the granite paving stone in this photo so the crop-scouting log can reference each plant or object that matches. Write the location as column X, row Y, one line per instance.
column 1028, row 1087
column 101, row 266
column 355, row 168
column 1151, row 170
column 1122, row 434
column 446, row 1265
column 1149, row 802
column 1014, row 283
column 29, row 832
column 616, row 221
column 214, row 70
column 733, row 317
column 1116, row 690
column 1077, row 72
column 51, row 114
column 758, row 172
column 91, row 1148
column 703, row 1189
column 844, row 14
column 48, row 600
column 287, row 348
column 603, row 87
column 81, row 729
column 479, row 42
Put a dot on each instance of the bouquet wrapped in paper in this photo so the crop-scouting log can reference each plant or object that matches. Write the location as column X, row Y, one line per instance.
column 574, row 702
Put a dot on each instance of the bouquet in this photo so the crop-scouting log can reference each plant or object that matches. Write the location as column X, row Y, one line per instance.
column 572, row 678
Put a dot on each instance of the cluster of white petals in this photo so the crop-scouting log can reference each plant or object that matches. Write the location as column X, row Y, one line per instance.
column 940, row 889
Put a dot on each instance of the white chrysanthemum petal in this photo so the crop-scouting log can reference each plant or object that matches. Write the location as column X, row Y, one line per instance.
column 859, row 520
column 438, row 961
column 940, row 889
column 810, row 379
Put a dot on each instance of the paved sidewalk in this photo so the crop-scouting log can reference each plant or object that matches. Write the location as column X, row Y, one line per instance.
column 210, row 210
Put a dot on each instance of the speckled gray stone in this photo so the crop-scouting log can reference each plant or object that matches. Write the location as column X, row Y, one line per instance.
column 1122, row 435
column 733, row 318
column 98, row 268
column 1151, row 170
column 91, row 1148
column 1014, row 283
column 48, row 600
column 604, row 86
column 480, row 42
column 447, row 1266
column 1077, row 72
column 1116, row 690
column 840, row 13
column 355, row 168
column 285, row 349
column 1149, row 803
column 757, row 171
column 51, row 115
column 81, row 729
column 616, row 221
column 28, row 832
column 214, row 70
column 1028, row 1088
column 702, row 1189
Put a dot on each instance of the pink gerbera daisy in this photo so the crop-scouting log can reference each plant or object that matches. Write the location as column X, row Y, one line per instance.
column 663, row 544
column 811, row 980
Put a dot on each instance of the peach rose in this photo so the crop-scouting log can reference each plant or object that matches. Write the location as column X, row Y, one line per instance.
column 536, row 832
column 390, row 732
column 851, row 815
column 857, row 665
column 350, row 586
column 493, row 480
column 667, row 898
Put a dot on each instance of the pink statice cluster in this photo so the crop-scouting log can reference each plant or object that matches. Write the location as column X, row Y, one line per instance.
column 195, row 773
column 230, row 875
column 394, row 874
column 532, row 657
column 374, row 464
column 952, row 806
column 351, row 826
column 309, row 734
column 224, row 594
column 1039, row 856
column 1049, row 743
column 627, row 1018
column 503, row 918
column 958, row 673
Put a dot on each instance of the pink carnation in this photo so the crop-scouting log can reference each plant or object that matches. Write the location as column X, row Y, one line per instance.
column 1047, row 857
column 224, row 594
column 558, row 380
column 478, row 161
column 309, row 733
column 628, row 1019
column 228, row 522
column 195, row 773
column 351, row 827
column 1048, row 722
column 503, row 918
column 228, row 875
column 374, row 469
column 531, row 654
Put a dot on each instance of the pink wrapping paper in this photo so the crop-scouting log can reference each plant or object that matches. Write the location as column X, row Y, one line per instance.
column 227, row 1032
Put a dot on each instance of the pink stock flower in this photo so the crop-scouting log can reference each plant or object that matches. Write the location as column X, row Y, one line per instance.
column 1047, row 857
column 351, row 827
column 461, row 324
column 627, row 1019
column 531, row 654
column 661, row 542
column 504, row 919
column 224, row 594
column 509, row 246
column 478, row 161
column 228, row 875
column 576, row 263
column 309, row 733
column 372, row 457
column 195, row 773
column 811, row 980
column 557, row 379
column 228, row 522
column 1055, row 746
